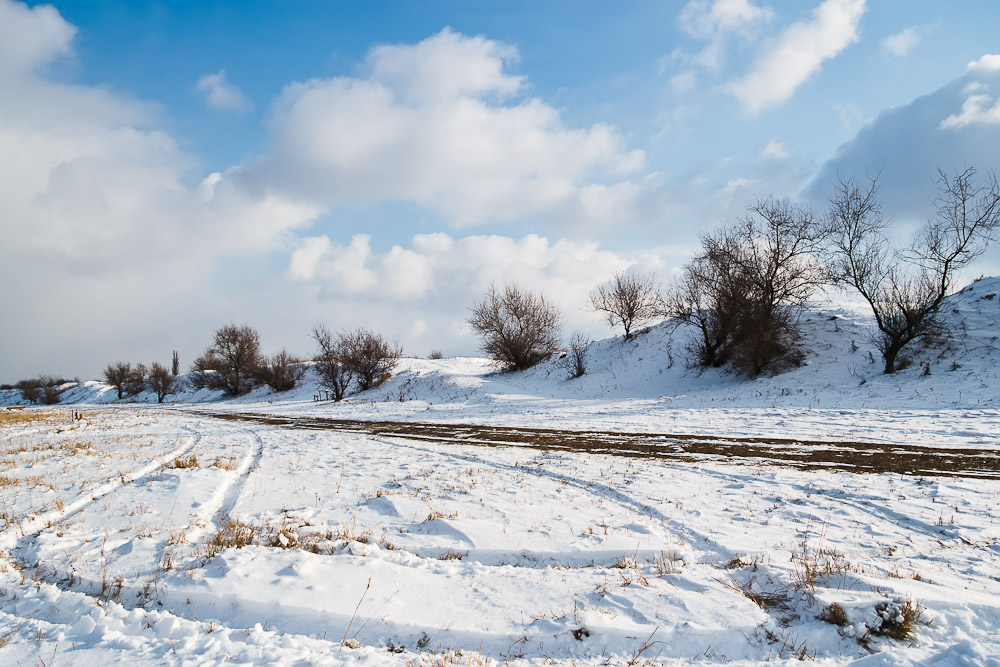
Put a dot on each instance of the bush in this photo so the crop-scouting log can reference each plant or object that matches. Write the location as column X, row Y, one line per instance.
column 436, row 354
column 50, row 388
column 368, row 356
column 517, row 327
column 136, row 382
column 576, row 355
column 333, row 375
column 745, row 290
column 31, row 390
column 230, row 362
column 281, row 371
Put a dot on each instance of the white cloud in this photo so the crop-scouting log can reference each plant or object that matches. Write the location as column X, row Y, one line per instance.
column 988, row 63
column 222, row 95
column 774, row 150
column 427, row 284
column 32, row 37
column 797, row 53
column 716, row 21
column 903, row 41
column 976, row 109
column 427, row 126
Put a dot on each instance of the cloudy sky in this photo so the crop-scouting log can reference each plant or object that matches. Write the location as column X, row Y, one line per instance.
column 166, row 168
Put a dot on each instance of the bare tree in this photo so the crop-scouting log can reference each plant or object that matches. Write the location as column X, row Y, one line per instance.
column 334, row 376
column 281, row 371
column 517, row 327
column 207, row 371
column 708, row 296
column 905, row 288
column 576, row 354
column 118, row 375
column 175, row 364
column 746, row 289
column 31, row 390
column 368, row 356
column 51, row 388
column 628, row 299
column 161, row 381
column 230, row 362
column 136, row 381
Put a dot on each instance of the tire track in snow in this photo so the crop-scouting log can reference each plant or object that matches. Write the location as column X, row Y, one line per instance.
column 37, row 524
column 596, row 489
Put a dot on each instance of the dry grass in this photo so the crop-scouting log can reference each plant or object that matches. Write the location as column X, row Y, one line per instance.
column 190, row 461
column 231, row 534
column 20, row 417
column 666, row 563
column 899, row 619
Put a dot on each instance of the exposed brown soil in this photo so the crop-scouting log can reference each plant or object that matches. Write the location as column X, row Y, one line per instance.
column 859, row 457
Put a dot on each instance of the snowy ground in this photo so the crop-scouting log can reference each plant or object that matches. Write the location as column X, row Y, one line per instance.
column 163, row 535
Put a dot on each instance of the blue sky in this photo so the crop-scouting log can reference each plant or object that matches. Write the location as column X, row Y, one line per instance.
column 171, row 167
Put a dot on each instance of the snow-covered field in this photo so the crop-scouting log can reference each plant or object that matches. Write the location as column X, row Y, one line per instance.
column 162, row 534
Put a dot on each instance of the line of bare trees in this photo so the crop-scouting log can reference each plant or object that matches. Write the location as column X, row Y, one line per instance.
column 745, row 290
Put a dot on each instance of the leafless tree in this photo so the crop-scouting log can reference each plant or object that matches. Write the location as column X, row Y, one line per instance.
column 136, row 381
column 118, row 375
column 51, row 388
column 334, row 376
column 161, row 381
column 31, row 390
column 175, row 364
column 576, row 354
column 281, row 371
column 230, row 362
column 629, row 300
column 905, row 287
column 208, row 372
column 517, row 327
column 368, row 356
column 745, row 290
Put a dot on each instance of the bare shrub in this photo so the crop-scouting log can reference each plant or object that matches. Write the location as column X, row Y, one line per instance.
column 368, row 356
column 748, row 286
column 629, row 300
column 436, row 354
column 117, row 375
column 207, row 372
column 161, row 381
column 230, row 362
column 905, row 287
column 50, row 388
column 576, row 354
column 333, row 375
column 518, row 328
column 31, row 390
column 136, row 382
column 281, row 371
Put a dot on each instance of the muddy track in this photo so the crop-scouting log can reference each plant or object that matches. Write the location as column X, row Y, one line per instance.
column 858, row 457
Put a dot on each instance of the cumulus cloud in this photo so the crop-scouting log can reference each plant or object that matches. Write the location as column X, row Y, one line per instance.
column 975, row 109
column 429, row 124
column 797, row 53
column 907, row 144
column 32, row 38
column 222, row 95
column 988, row 63
column 903, row 41
column 423, row 288
column 109, row 235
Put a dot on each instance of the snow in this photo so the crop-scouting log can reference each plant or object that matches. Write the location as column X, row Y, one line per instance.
column 297, row 544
